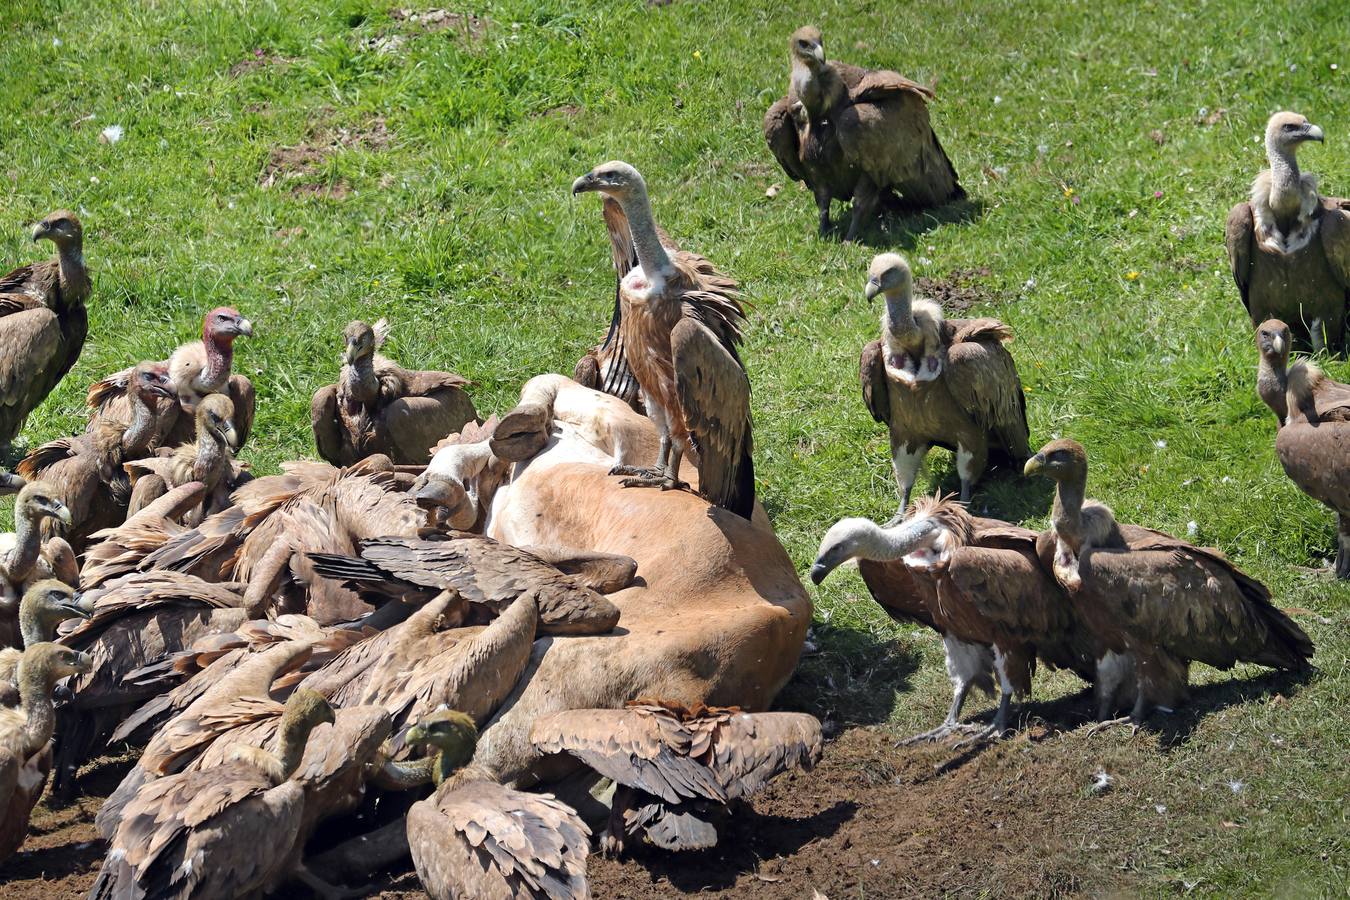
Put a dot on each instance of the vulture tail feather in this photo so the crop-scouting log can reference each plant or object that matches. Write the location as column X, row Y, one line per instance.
column 1288, row 646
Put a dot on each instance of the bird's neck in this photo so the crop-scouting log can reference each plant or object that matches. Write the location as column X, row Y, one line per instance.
column 1273, row 379
column 36, row 702
column 899, row 312
column 219, row 356
column 27, row 546
column 873, row 542
column 651, row 255
column 210, row 455
column 1067, row 515
column 1286, row 185
column 73, row 276
column 32, row 627
column 142, row 428
column 289, row 747
column 359, row 381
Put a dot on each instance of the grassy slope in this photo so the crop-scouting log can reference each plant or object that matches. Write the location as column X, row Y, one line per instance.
column 460, row 228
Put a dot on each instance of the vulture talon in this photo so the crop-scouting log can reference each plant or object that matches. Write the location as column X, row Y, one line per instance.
column 645, row 480
column 940, row 733
column 640, row 471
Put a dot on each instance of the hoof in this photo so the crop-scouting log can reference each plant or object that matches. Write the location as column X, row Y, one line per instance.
column 522, row 433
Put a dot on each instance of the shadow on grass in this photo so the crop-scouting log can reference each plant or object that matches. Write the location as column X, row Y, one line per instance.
column 749, row 839
column 852, row 679
column 901, row 226
column 53, row 863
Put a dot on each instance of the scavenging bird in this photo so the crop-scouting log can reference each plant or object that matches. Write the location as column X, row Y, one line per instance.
column 1146, row 595
column 681, row 325
column 938, row 381
column 1288, row 246
column 43, row 322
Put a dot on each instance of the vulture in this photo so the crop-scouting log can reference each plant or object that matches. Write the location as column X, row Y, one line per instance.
column 475, row 839
column 22, row 558
column 25, row 737
column 677, row 768
column 931, row 380
column 197, row 369
column 209, row 460
column 45, row 605
column 860, row 134
column 43, row 322
column 1148, row 596
column 220, row 833
column 379, row 407
column 984, row 591
column 1313, row 445
column 680, row 324
column 1288, row 246
column 87, row 471
column 118, row 551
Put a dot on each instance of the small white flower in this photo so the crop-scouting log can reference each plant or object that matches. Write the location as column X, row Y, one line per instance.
column 876, row 862
column 1029, row 283
column 312, row 267
column 111, row 135
column 1225, row 479
column 1160, row 444
column 56, row 42
column 1236, row 786
column 230, row 205
column 997, row 99
column 1293, row 67
column 1192, row 528
column 925, row 261
column 1054, row 435
column 1042, row 149
column 1334, row 67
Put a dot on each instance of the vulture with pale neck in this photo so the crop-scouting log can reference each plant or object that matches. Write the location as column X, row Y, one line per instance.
column 1289, row 246
column 979, row 583
column 864, row 134
column 197, row 370
column 932, row 380
column 43, row 322
column 378, row 406
column 86, row 471
column 680, row 323
column 22, row 559
column 1313, row 444
column 44, row 606
column 1146, row 595
column 209, row 460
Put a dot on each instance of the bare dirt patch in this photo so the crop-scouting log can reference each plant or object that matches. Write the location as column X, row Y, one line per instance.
column 302, row 162
column 258, row 59
column 468, row 24
column 960, row 290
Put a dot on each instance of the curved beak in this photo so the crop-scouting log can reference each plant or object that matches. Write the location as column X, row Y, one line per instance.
column 84, row 663
column 62, row 512
column 163, row 390
column 230, row 435
column 820, row 569
column 245, row 327
column 873, row 288
column 10, row 483
column 1034, row 465
column 40, row 231
column 587, row 182
column 818, row 52
column 350, row 354
column 1277, row 345
column 416, row 735
column 1314, row 132
column 75, row 608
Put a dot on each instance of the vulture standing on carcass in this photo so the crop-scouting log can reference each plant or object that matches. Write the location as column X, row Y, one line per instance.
column 680, row 325
column 219, row 833
column 1313, row 441
column 45, row 605
column 25, row 737
column 938, row 381
column 475, row 838
column 22, row 558
column 1289, row 246
column 197, row 370
column 87, row 471
column 849, row 132
column 209, row 460
column 982, row 587
column 1144, row 594
column 676, row 768
column 378, row 406
column 43, row 322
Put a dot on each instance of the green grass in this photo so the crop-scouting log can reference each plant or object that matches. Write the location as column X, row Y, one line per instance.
column 453, row 218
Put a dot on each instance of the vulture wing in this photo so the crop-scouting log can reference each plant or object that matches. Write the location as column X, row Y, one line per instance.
column 714, row 396
column 30, row 363
column 1239, row 234
column 35, row 280
column 619, row 380
column 897, row 592
column 982, row 378
column 1317, row 458
column 245, row 402
column 871, row 85
column 872, row 374
column 323, row 419
column 481, row 839
column 780, row 133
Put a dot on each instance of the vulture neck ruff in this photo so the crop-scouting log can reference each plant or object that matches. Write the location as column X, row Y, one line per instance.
column 139, row 432
column 1283, row 202
column 1272, row 380
column 654, row 268
column 359, row 382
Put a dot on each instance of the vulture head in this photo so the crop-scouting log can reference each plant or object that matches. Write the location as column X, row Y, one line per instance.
column 889, row 273
column 10, row 483
column 1063, row 460
column 49, row 603
column 150, row 380
column 215, row 419
column 615, row 179
column 360, row 342
column 223, row 324
column 1272, row 341
column 1287, row 131
column 806, row 47
column 38, row 500
column 45, row 663
column 62, row 228
column 445, row 500
column 925, row 540
column 451, row 734
column 306, row 709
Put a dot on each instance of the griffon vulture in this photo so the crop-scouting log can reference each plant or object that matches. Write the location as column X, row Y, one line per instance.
column 966, row 396
column 677, row 768
column 209, row 460
column 864, row 134
column 378, row 406
column 681, row 326
column 22, row 560
column 1145, row 594
column 1290, row 247
column 43, row 322
column 44, row 606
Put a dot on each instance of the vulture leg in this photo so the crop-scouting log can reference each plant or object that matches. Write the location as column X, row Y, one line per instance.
column 1343, row 548
column 1317, row 336
column 823, row 199
column 906, row 459
column 865, row 198
column 970, row 463
column 647, row 476
column 967, row 666
column 1009, row 667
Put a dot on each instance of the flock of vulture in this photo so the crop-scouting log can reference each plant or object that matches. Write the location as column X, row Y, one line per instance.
column 397, row 643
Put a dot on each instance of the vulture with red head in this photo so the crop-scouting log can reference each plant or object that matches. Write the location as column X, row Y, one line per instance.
column 1146, row 595
column 197, row 370
column 860, row 134
column 378, row 406
column 43, row 322
column 680, row 324
column 949, row 382
column 1289, row 247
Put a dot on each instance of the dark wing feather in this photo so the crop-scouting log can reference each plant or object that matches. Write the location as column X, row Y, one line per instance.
column 982, row 378
column 31, row 360
column 714, row 396
column 1240, row 238
column 780, row 133
column 872, row 374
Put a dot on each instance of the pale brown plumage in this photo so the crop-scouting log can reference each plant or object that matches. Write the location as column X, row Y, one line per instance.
column 196, row 369
column 209, row 459
column 25, row 737
column 121, row 550
column 44, row 606
column 860, row 134
column 968, row 398
column 678, row 766
column 681, row 325
column 1146, row 594
column 43, row 322
column 378, row 406
column 24, row 560
column 87, row 470
column 1288, row 246
column 979, row 583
